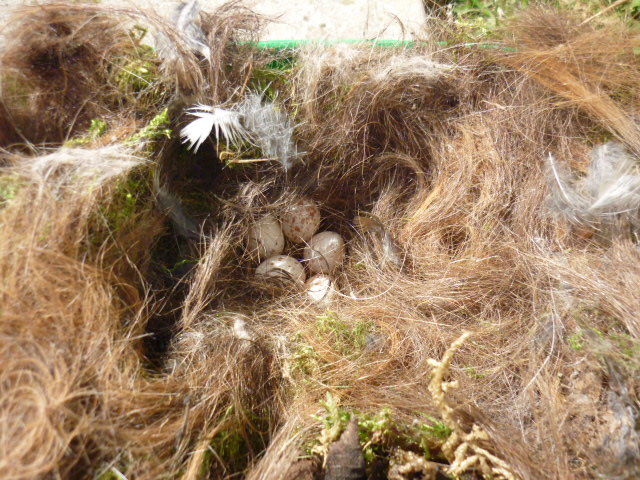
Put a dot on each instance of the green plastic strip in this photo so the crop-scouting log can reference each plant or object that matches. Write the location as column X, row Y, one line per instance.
column 290, row 46
column 296, row 44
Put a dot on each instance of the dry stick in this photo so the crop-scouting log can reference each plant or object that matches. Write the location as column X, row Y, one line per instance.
column 603, row 11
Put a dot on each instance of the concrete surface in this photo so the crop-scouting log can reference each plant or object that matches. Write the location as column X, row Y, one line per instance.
column 312, row 19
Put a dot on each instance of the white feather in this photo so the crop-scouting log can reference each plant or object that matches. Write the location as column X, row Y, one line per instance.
column 226, row 123
column 187, row 27
column 613, row 182
column 610, row 188
column 187, row 22
column 269, row 128
column 263, row 124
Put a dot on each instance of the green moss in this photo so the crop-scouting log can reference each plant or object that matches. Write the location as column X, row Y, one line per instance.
column 379, row 432
column 231, row 450
column 137, row 74
column 479, row 19
column 435, row 429
column 473, row 372
column 576, row 341
column 230, row 447
column 9, row 186
column 180, row 265
column 334, row 420
column 130, row 199
column 158, row 127
column 620, row 348
column 305, row 361
column 96, row 130
column 271, row 79
column 137, row 69
column 628, row 347
column 348, row 338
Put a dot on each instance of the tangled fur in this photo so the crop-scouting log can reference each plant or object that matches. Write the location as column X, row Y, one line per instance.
column 432, row 164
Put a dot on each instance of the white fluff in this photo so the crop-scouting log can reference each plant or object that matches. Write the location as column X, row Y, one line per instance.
column 262, row 124
column 269, row 128
column 611, row 187
column 186, row 25
column 401, row 66
column 81, row 169
column 225, row 122
column 240, row 329
column 187, row 22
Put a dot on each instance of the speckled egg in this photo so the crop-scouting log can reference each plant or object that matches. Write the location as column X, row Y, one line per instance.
column 265, row 238
column 282, row 266
column 324, row 253
column 300, row 221
column 320, row 289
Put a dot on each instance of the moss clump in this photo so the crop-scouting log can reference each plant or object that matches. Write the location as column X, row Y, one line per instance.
column 157, row 128
column 130, row 201
column 96, row 130
column 231, row 449
column 135, row 74
column 347, row 339
column 380, row 433
column 9, row 186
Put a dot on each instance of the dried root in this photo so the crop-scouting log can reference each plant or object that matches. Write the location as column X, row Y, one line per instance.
column 465, row 450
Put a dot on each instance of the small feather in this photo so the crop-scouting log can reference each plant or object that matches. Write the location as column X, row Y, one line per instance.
column 186, row 30
column 184, row 225
column 610, row 188
column 225, row 122
column 613, row 181
column 270, row 129
column 186, row 20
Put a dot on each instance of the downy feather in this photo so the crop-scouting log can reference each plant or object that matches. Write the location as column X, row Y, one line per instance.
column 187, row 22
column 263, row 124
column 610, row 188
column 170, row 205
column 269, row 128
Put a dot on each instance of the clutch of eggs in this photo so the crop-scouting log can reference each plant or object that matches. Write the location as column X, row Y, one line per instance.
column 324, row 251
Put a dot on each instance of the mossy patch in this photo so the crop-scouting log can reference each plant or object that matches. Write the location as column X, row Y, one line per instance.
column 130, row 200
column 96, row 130
column 158, row 127
column 135, row 74
column 380, row 433
column 9, row 187
column 231, row 449
column 347, row 338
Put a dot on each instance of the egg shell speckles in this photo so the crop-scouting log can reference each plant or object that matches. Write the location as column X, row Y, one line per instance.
column 282, row 266
column 325, row 252
column 265, row 238
column 300, row 221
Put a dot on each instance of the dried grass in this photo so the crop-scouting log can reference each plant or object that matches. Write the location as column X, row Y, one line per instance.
column 440, row 154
